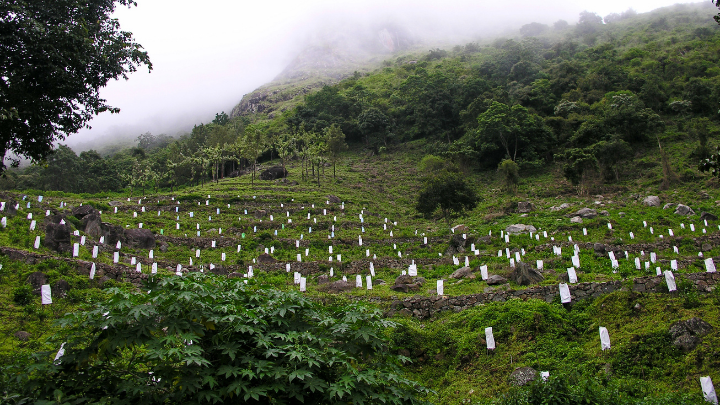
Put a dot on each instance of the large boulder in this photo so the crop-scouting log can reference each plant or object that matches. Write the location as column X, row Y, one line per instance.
column 112, row 233
column 652, row 201
column 519, row 228
column 560, row 207
column 523, row 274
column 706, row 216
column 275, row 172
column 83, row 210
column 523, row 375
column 57, row 237
column 405, row 284
column 139, row 238
column 92, row 224
column 36, row 280
column 463, row 272
column 336, row 287
column 525, row 206
column 10, row 209
column 496, row 280
column 683, row 209
column 260, row 213
column 460, row 228
column 334, row 199
column 266, row 259
column 687, row 334
column 457, row 244
column 60, row 288
column 588, row 213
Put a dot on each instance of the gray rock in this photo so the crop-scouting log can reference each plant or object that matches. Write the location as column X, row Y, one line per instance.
column 706, row 216
column 260, row 213
column 139, row 238
column 576, row 220
column 337, row 287
column 419, row 280
column 81, row 212
column 457, row 244
column 403, row 280
column 460, row 229
column 687, row 334
column 525, row 207
column 57, row 237
column 60, row 288
column 519, row 228
column 496, row 280
column 522, row 376
column 561, row 207
column 462, row 272
column 668, row 205
column 275, row 172
column 266, row 259
column 683, row 209
column 379, row 281
column 36, row 280
column 706, row 247
column 334, row 199
column 599, row 248
column 604, row 213
column 323, row 279
column 92, row 225
column 588, row 213
column 652, row 201
column 523, row 274
column 22, row 336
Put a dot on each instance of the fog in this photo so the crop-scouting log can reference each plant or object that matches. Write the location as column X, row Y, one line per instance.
column 207, row 55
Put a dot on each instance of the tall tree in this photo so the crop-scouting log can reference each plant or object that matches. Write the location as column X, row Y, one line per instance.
column 446, row 192
column 335, row 140
column 55, row 56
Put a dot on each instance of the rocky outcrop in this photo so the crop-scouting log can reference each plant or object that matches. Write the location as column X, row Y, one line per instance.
column 36, row 280
column 525, row 206
column 266, row 259
column 706, row 216
column 687, row 334
column 83, row 210
column 336, row 287
column 139, row 238
column 522, row 375
column 586, row 213
column 519, row 228
column 523, row 274
column 496, row 280
column 57, row 237
column 652, row 201
column 463, row 272
column 683, row 209
column 273, row 173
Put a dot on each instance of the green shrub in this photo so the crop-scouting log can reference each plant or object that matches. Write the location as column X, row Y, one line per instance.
column 23, row 295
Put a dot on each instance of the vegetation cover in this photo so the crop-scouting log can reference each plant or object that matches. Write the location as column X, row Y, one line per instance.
column 594, row 114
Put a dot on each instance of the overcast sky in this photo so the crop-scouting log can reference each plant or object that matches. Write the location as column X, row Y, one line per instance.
column 207, row 54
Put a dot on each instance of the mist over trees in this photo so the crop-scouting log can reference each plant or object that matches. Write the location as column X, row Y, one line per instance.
column 585, row 96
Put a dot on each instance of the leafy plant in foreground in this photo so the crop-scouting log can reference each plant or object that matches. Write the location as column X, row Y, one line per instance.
column 205, row 339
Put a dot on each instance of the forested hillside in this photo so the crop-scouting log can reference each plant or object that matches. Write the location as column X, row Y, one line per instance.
column 593, row 96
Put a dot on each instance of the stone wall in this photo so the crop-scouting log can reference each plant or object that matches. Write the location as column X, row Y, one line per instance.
column 424, row 307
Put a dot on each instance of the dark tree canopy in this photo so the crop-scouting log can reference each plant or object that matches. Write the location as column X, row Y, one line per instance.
column 54, row 58
column 447, row 192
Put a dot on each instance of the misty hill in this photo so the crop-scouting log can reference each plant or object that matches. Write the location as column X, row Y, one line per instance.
column 334, row 54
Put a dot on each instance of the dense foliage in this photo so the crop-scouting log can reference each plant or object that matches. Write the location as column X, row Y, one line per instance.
column 54, row 58
column 206, row 339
